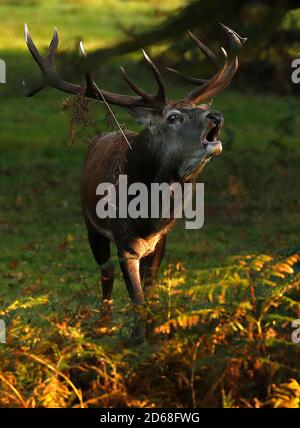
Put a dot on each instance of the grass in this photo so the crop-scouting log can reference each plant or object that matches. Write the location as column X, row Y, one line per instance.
column 222, row 311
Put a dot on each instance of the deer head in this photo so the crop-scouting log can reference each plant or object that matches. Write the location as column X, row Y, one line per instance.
column 188, row 130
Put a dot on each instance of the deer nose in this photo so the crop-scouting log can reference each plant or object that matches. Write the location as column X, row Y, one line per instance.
column 215, row 117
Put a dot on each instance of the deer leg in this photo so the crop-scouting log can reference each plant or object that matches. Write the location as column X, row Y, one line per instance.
column 149, row 272
column 107, row 280
column 150, row 264
column 130, row 265
column 100, row 246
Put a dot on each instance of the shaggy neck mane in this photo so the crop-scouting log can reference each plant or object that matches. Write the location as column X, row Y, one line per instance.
column 149, row 161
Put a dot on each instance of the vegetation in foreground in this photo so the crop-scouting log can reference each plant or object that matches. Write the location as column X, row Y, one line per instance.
column 221, row 314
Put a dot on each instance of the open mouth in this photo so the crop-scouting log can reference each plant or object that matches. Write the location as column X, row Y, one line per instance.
column 210, row 141
column 212, row 135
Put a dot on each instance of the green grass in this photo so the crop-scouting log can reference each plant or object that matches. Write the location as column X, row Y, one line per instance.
column 214, row 284
column 100, row 23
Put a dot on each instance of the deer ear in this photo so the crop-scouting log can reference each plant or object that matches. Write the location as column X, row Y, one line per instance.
column 142, row 115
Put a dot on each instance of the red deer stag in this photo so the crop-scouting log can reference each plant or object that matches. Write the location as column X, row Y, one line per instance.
column 177, row 140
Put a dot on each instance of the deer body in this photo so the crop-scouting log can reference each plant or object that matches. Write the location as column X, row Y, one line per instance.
column 178, row 139
column 140, row 242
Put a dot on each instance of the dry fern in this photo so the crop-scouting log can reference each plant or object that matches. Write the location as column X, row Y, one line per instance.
column 81, row 121
column 52, row 393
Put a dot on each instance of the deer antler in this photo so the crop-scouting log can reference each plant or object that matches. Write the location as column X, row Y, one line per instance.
column 91, row 90
column 207, row 88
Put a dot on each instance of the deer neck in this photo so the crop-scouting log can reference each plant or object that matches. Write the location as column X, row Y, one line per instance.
column 150, row 160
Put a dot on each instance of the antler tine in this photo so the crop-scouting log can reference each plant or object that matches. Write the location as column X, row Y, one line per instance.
column 187, row 78
column 35, row 54
column 53, row 46
column 133, row 86
column 224, row 52
column 223, row 77
column 207, row 52
column 160, row 97
column 31, row 46
column 90, row 90
column 230, row 31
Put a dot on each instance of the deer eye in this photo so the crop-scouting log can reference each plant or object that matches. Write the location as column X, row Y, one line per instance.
column 173, row 117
